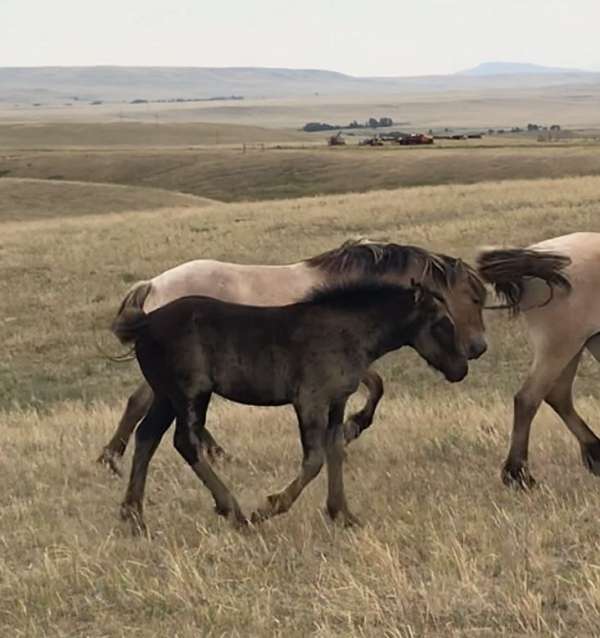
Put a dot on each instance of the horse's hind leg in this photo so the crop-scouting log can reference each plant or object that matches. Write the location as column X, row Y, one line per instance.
column 560, row 398
column 334, row 451
column 548, row 366
column 147, row 438
column 361, row 420
column 188, row 442
column 313, row 426
column 137, row 406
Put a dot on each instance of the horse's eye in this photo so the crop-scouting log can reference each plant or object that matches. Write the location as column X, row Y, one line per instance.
column 476, row 301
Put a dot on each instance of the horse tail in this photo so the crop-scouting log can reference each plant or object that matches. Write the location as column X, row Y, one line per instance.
column 135, row 296
column 129, row 325
column 508, row 269
column 131, row 318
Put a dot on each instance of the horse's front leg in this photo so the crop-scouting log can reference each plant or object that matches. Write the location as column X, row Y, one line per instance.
column 361, row 420
column 312, row 420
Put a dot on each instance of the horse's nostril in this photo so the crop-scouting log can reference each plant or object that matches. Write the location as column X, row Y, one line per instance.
column 477, row 350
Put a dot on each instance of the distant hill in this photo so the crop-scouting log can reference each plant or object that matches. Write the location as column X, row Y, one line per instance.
column 515, row 68
column 27, row 199
column 72, row 85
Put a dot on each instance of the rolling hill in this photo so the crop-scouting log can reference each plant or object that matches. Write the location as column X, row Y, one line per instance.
column 59, row 85
column 29, row 199
column 516, row 68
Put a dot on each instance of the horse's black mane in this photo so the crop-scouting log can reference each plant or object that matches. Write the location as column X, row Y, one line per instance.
column 371, row 258
column 361, row 293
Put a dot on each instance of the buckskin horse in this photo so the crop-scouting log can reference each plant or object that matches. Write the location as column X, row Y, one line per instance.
column 458, row 283
column 554, row 285
column 311, row 354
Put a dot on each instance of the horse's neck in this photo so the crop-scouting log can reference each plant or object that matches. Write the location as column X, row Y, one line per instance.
column 380, row 330
column 390, row 335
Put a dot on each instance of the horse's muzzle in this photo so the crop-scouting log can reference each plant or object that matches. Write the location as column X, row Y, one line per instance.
column 456, row 373
column 476, row 349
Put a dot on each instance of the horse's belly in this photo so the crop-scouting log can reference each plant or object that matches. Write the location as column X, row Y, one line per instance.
column 252, row 396
column 242, row 386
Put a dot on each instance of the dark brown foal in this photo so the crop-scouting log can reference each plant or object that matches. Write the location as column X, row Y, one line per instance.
column 312, row 355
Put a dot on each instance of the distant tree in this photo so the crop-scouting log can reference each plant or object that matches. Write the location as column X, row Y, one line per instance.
column 372, row 123
column 533, row 127
column 311, row 127
column 385, row 121
column 555, row 127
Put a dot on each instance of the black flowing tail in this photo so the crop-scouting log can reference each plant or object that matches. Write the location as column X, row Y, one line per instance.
column 129, row 325
column 507, row 270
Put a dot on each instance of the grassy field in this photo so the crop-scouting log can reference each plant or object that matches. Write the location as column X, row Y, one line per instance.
column 228, row 174
column 445, row 549
column 569, row 106
column 29, row 199
column 44, row 135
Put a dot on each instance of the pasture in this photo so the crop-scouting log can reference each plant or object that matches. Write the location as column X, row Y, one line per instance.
column 445, row 549
column 227, row 173
column 509, row 103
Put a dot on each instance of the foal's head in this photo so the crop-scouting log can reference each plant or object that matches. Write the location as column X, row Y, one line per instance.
column 436, row 338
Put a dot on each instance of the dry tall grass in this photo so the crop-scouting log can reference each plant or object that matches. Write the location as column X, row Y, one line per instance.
column 445, row 549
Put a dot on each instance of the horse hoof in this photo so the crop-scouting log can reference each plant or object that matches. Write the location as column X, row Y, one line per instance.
column 591, row 457
column 222, row 511
column 517, row 476
column 234, row 514
column 259, row 515
column 134, row 518
column 240, row 521
column 352, row 430
column 108, row 459
column 346, row 518
column 273, row 506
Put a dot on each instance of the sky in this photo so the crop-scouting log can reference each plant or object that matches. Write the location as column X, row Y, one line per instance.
column 358, row 37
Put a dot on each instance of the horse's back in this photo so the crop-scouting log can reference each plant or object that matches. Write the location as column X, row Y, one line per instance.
column 572, row 315
column 581, row 247
column 199, row 277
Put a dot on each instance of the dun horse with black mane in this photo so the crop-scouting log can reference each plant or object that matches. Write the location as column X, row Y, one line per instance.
column 256, row 285
column 311, row 354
